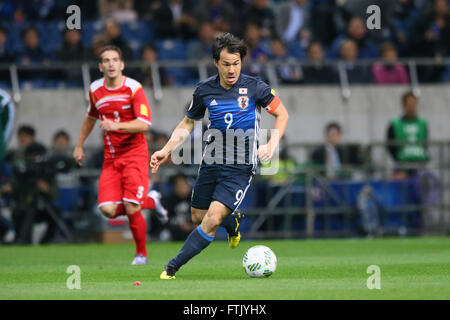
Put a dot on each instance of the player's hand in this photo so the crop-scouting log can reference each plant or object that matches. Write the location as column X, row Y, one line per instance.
column 265, row 153
column 157, row 158
column 78, row 155
column 109, row 125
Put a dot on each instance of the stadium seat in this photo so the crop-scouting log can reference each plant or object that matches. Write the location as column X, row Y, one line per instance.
column 171, row 50
column 176, row 50
column 295, row 50
column 68, row 198
column 51, row 35
column 140, row 32
column 89, row 30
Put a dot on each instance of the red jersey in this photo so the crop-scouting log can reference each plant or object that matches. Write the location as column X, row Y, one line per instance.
column 124, row 103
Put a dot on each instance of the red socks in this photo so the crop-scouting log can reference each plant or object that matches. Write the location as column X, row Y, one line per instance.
column 137, row 223
column 138, row 228
column 149, row 203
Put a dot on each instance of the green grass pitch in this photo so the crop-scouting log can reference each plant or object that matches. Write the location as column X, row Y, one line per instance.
column 411, row 268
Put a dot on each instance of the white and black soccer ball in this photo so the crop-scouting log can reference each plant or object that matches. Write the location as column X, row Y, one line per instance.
column 259, row 261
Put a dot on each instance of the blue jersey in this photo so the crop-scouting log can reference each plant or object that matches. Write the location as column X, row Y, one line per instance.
column 234, row 117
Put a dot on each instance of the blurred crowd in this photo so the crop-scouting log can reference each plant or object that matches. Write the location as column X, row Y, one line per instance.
column 286, row 31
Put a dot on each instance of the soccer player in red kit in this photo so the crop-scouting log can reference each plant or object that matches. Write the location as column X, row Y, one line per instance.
column 120, row 104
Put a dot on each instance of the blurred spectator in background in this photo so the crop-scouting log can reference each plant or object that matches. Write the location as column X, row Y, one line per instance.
column 98, row 43
column 284, row 162
column 60, row 156
column 220, row 13
column 39, row 10
column 260, row 13
column 113, row 37
column 430, row 37
column 21, row 11
column 287, row 72
column 293, row 21
column 355, row 73
column 256, row 54
column 120, row 10
column 32, row 51
column 144, row 75
column 72, row 48
column 317, row 72
column 93, row 54
column 202, row 49
column 26, row 135
column 331, row 157
column 150, row 136
column 62, row 163
column 33, row 188
column 356, row 31
column 253, row 37
column 178, row 205
column 405, row 13
column 5, row 55
column 322, row 23
column 389, row 70
column 407, row 138
column 173, row 18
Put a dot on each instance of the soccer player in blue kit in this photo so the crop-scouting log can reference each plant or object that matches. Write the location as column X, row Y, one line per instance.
column 234, row 102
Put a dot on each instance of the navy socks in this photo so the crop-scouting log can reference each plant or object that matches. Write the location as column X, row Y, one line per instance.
column 229, row 223
column 194, row 244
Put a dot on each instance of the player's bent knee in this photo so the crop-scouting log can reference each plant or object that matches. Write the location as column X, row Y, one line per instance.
column 213, row 221
column 109, row 211
column 131, row 207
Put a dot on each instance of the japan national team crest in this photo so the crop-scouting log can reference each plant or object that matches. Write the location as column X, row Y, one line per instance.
column 243, row 102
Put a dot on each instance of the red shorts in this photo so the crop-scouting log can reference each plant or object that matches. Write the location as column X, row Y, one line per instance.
column 123, row 180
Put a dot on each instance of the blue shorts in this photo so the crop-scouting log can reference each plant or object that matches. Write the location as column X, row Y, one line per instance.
column 222, row 183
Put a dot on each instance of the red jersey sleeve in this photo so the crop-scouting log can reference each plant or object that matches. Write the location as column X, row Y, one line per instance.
column 92, row 110
column 141, row 106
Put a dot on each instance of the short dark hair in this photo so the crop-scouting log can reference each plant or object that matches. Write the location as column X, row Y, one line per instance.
column 312, row 44
column 333, row 125
column 148, row 46
column 3, row 30
column 28, row 29
column 26, row 129
column 110, row 48
column 406, row 95
column 61, row 134
column 231, row 43
column 67, row 30
column 177, row 176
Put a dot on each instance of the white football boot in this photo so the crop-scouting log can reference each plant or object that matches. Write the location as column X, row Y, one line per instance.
column 160, row 211
column 139, row 259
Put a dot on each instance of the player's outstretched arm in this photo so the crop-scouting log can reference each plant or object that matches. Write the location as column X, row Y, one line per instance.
column 265, row 152
column 86, row 129
column 181, row 132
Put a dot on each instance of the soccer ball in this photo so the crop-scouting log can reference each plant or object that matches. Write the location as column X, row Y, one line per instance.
column 259, row 261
